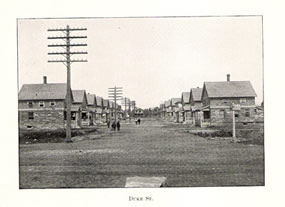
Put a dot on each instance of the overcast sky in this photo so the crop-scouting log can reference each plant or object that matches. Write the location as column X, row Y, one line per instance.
column 153, row 59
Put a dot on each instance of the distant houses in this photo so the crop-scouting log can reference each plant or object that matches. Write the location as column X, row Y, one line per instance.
column 43, row 106
column 185, row 101
column 168, row 108
column 176, row 108
column 99, row 109
column 79, row 107
column 213, row 104
column 196, row 105
column 106, row 109
column 91, row 108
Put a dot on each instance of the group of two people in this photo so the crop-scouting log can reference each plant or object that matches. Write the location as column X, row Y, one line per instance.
column 138, row 121
column 115, row 125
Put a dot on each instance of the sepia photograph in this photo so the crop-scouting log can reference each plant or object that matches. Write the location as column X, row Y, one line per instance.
column 140, row 102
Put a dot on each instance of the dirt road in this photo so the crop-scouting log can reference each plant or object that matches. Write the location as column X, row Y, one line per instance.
column 154, row 148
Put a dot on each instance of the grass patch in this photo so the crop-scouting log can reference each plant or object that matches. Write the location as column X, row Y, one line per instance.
column 49, row 136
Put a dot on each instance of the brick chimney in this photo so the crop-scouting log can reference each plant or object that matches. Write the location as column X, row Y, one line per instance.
column 45, row 79
column 228, row 77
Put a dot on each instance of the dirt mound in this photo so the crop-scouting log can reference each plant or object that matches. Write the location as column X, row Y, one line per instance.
column 49, row 136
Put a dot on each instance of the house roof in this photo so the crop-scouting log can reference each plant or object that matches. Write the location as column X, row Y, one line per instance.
column 185, row 97
column 75, row 108
column 175, row 101
column 106, row 103
column 196, row 108
column 167, row 103
column 229, row 89
column 196, row 93
column 186, row 108
column 78, row 96
column 112, row 104
column 99, row 101
column 90, row 99
column 50, row 91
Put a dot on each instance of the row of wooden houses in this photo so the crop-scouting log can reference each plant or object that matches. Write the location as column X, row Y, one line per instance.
column 43, row 106
column 212, row 105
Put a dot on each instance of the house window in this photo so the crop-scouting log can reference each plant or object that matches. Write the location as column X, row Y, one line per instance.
column 52, row 103
column 30, row 115
column 84, row 116
column 73, row 115
column 41, row 104
column 247, row 114
column 30, row 104
column 206, row 114
column 243, row 100
column 236, row 114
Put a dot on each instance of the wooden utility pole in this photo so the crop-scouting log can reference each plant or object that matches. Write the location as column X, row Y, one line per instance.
column 67, row 62
column 129, row 110
column 125, row 102
column 115, row 94
column 134, row 107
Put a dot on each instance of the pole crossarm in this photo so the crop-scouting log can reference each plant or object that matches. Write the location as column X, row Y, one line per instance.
column 66, row 61
column 67, row 37
column 65, row 29
column 70, row 45
column 66, row 53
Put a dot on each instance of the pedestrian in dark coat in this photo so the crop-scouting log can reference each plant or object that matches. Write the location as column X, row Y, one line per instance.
column 114, row 126
column 108, row 123
column 139, row 121
column 118, row 125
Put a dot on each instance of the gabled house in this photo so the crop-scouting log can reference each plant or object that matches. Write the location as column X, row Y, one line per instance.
column 106, row 109
column 112, row 109
column 99, row 108
column 42, row 106
column 162, row 110
column 168, row 108
column 91, row 108
column 79, row 106
column 218, row 99
column 177, row 108
column 196, row 105
column 120, row 111
column 185, row 101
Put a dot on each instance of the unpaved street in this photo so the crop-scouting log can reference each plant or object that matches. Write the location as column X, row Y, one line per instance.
column 154, row 148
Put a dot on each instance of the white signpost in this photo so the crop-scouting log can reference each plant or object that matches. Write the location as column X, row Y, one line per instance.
column 235, row 107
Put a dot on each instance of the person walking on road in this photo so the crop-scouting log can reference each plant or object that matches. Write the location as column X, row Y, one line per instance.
column 139, row 121
column 108, row 123
column 113, row 126
column 118, row 125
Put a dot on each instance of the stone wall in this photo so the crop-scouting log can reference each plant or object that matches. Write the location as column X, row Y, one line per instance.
column 225, row 115
column 43, row 119
column 228, row 101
